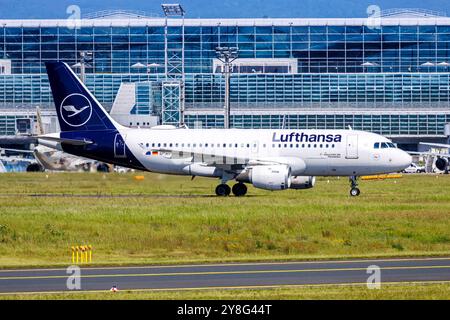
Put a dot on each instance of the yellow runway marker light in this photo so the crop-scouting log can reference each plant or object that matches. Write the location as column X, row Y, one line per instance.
column 82, row 254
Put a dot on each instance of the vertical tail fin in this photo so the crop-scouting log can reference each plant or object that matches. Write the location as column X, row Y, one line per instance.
column 76, row 107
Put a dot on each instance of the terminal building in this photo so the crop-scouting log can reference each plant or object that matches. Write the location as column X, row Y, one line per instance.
column 389, row 75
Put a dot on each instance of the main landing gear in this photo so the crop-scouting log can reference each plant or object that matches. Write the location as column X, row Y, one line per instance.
column 223, row 190
column 354, row 191
column 239, row 189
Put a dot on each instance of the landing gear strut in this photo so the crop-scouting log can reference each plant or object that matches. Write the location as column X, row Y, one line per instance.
column 223, row 190
column 239, row 189
column 354, row 191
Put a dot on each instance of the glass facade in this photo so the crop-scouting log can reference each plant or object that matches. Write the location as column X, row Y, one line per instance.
column 386, row 124
column 343, row 67
column 318, row 48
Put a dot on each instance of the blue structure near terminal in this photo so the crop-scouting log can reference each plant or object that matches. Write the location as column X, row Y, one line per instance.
column 390, row 78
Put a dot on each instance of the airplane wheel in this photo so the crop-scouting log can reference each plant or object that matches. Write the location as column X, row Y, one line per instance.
column 223, row 190
column 354, row 192
column 239, row 189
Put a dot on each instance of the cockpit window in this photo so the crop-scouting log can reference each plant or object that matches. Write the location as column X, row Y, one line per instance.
column 384, row 145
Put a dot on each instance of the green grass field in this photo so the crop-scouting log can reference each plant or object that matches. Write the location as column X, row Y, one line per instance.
column 331, row 292
column 403, row 217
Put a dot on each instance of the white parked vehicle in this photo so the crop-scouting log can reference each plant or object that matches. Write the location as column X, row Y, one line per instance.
column 414, row 168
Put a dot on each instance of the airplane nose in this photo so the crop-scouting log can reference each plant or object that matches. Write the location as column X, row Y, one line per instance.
column 403, row 160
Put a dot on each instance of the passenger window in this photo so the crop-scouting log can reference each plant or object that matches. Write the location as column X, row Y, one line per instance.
column 224, row 145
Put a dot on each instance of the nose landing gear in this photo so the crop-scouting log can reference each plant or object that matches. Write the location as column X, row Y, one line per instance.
column 354, row 191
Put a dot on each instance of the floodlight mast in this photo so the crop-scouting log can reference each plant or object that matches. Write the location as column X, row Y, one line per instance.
column 170, row 63
column 85, row 56
column 227, row 55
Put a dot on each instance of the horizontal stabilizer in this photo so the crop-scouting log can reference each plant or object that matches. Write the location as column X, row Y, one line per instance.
column 72, row 142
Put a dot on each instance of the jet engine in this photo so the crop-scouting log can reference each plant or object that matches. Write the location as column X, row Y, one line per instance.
column 35, row 167
column 302, row 182
column 271, row 177
column 441, row 164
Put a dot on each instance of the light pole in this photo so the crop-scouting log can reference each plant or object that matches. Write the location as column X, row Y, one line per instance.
column 227, row 55
column 85, row 56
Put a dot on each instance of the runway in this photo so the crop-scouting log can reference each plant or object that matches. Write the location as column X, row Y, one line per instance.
column 228, row 275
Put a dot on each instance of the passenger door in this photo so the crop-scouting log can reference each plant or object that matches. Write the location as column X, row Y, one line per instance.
column 352, row 147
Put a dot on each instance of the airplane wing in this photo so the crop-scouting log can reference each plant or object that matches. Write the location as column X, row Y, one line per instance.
column 17, row 150
column 220, row 160
column 438, row 145
column 445, row 155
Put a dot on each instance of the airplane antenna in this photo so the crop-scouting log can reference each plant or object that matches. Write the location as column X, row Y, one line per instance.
column 350, row 127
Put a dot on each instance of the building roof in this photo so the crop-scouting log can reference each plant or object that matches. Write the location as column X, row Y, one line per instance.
column 121, row 22
column 140, row 18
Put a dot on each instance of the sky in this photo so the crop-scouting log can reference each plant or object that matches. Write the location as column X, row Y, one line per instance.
column 28, row 9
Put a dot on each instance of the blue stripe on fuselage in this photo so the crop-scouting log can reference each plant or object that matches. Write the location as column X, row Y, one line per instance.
column 102, row 149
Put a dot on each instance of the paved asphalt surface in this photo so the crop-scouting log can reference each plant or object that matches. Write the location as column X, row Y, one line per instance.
column 242, row 275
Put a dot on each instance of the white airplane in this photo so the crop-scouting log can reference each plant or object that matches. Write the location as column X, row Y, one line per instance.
column 442, row 159
column 269, row 159
column 45, row 158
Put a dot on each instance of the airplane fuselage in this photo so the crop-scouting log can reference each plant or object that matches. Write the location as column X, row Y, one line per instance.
column 323, row 152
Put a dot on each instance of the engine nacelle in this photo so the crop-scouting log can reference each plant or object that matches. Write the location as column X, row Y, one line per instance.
column 35, row 167
column 302, row 182
column 271, row 177
column 441, row 164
